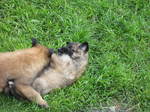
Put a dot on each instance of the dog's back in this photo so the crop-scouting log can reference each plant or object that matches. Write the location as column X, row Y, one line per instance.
column 23, row 66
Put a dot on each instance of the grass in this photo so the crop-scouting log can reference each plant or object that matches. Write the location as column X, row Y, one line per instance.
column 118, row 32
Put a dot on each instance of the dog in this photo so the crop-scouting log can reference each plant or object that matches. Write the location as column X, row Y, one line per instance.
column 23, row 66
column 65, row 68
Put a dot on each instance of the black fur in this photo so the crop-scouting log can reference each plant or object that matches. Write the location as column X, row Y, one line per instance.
column 65, row 50
column 84, row 46
column 67, row 43
column 51, row 51
column 10, row 90
column 34, row 42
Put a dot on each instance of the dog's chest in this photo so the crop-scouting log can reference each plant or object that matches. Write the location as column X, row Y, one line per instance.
column 65, row 58
column 68, row 67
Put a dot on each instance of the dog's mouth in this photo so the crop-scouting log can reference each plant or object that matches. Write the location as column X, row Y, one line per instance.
column 65, row 50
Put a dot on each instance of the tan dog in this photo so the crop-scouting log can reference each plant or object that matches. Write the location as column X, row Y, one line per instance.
column 66, row 67
column 22, row 67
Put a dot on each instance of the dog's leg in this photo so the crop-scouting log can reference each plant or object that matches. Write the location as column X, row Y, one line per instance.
column 10, row 90
column 31, row 94
column 2, row 84
column 1, row 89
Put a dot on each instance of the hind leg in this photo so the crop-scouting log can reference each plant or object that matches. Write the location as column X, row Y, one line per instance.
column 31, row 94
column 10, row 90
column 2, row 84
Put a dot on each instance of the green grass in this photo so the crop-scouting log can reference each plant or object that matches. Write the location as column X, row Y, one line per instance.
column 118, row 32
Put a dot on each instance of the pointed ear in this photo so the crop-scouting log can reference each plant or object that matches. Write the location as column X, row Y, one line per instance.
column 34, row 42
column 51, row 51
column 84, row 46
column 67, row 43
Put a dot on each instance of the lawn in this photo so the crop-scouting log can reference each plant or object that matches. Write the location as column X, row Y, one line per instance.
column 118, row 32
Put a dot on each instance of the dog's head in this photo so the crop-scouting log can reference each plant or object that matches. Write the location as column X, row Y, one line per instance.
column 75, row 50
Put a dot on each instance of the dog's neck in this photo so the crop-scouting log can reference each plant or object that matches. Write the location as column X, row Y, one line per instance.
column 72, row 67
column 65, row 58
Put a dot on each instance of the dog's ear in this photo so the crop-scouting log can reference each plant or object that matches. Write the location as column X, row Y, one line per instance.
column 68, row 43
column 34, row 42
column 51, row 51
column 84, row 46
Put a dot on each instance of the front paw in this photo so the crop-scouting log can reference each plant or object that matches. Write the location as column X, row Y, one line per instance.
column 44, row 105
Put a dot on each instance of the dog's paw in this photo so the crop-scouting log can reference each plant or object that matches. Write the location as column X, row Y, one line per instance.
column 44, row 105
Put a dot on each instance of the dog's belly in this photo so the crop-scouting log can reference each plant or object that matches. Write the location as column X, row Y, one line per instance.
column 47, row 82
